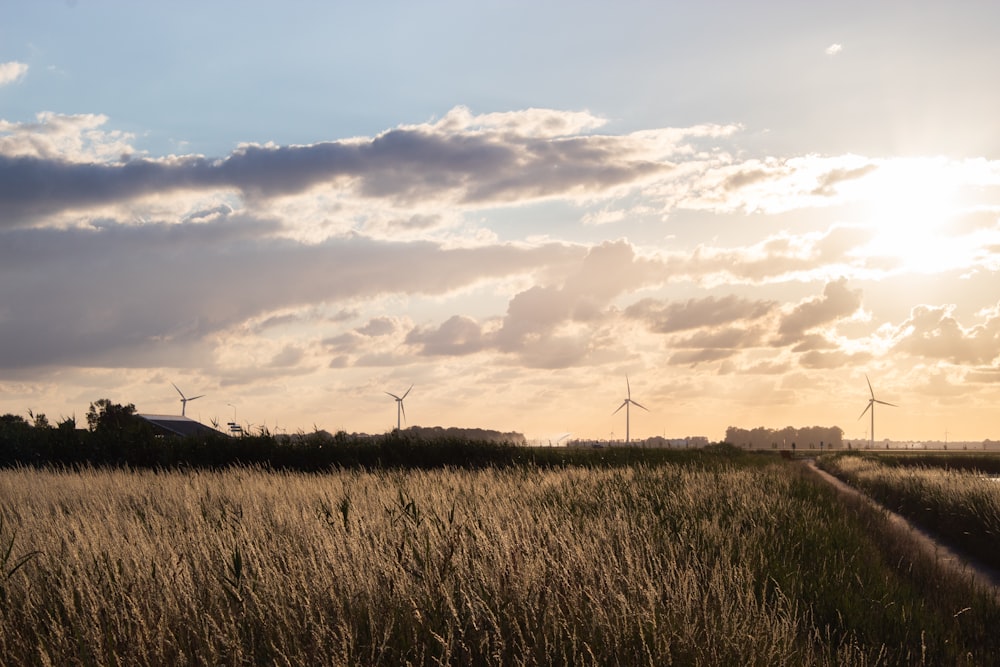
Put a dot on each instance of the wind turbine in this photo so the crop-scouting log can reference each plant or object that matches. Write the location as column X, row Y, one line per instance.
column 871, row 406
column 625, row 404
column 185, row 399
column 400, row 410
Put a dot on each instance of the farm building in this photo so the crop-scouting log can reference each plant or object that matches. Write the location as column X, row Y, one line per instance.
column 174, row 425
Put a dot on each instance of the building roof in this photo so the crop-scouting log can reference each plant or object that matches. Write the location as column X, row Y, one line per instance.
column 177, row 425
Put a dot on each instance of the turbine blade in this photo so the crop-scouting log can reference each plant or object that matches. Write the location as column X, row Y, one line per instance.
column 198, row 396
column 867, row 407
column 394, row 396
column 870, row 390
column 639, row 406
column 628, row 387
column 403, row 408
column 178, row 390
column 620, row 407
column 407, row 391
column 884, row 403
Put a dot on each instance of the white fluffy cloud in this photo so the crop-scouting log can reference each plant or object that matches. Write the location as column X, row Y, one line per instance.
column 11, row 72
column 55, row 141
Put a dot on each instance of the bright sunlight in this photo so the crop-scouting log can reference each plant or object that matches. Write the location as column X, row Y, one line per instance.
column 911, row 202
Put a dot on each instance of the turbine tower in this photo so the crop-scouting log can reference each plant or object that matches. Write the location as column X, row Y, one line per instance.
column 625, row 404
column 185, row 399
column 871, row 406
column 400, row 410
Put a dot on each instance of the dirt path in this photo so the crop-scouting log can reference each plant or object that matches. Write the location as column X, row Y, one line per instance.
column 983, row 576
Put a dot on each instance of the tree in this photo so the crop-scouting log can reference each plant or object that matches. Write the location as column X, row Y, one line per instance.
column 15, row 438
column 12, row 425
column 39, row 419
column 103, row 416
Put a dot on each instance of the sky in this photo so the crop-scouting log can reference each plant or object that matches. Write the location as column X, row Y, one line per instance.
column 745, row 209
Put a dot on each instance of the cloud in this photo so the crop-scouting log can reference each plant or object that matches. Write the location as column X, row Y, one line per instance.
column 551, row 325
column 813, row 342
column 535, row 122
column 139, row 295
column 378, row 326
column 780, row 257
column 288, row 357
column 714, row 345
column 731, row 338
column 827, row 183
column 758, row 368
column 11, row 72
column 55, row 141
column 770, row 185
column 837, row 301
column 458, row 335
column 461, row 160
column 607, row 271
column 934, row 332
column 833, row 49
column 661, row 317
column 818, row 360
column 698, row 356
column 988, row 375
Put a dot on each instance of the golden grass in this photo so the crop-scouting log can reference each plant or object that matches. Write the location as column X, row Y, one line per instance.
column 665, row 565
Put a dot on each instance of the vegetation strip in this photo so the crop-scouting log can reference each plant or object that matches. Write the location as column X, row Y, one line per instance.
column 957, row 503
column 978, row 572
column 746, row 561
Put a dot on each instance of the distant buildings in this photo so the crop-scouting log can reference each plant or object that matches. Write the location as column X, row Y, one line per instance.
column 655, row 441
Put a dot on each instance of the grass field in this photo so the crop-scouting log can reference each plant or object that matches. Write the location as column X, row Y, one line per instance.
column 746, row 563
column 955, row 496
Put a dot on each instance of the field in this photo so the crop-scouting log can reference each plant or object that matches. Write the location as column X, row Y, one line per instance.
column 955, row 496
column 747, row 560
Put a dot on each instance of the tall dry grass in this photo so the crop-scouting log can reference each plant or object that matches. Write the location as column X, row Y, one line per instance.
column 961, row 505
column 657, row 566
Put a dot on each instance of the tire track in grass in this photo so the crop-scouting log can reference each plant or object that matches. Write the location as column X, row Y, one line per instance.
column 981, row 575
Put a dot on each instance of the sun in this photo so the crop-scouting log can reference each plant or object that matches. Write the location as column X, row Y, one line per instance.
column 909, row 205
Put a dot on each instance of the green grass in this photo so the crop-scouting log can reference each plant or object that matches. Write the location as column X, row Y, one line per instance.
column 748, row 562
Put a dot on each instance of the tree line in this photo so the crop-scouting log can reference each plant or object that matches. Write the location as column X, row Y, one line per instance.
column 790, row 437
column 114, row 435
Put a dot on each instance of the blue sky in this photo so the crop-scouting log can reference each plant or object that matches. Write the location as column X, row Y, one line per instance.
column 745, row 207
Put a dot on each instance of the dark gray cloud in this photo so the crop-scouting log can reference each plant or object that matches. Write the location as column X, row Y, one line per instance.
column 125, row 295
column 404, row 165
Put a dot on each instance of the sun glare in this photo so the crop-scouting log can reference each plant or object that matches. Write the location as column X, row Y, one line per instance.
column 910, row 203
